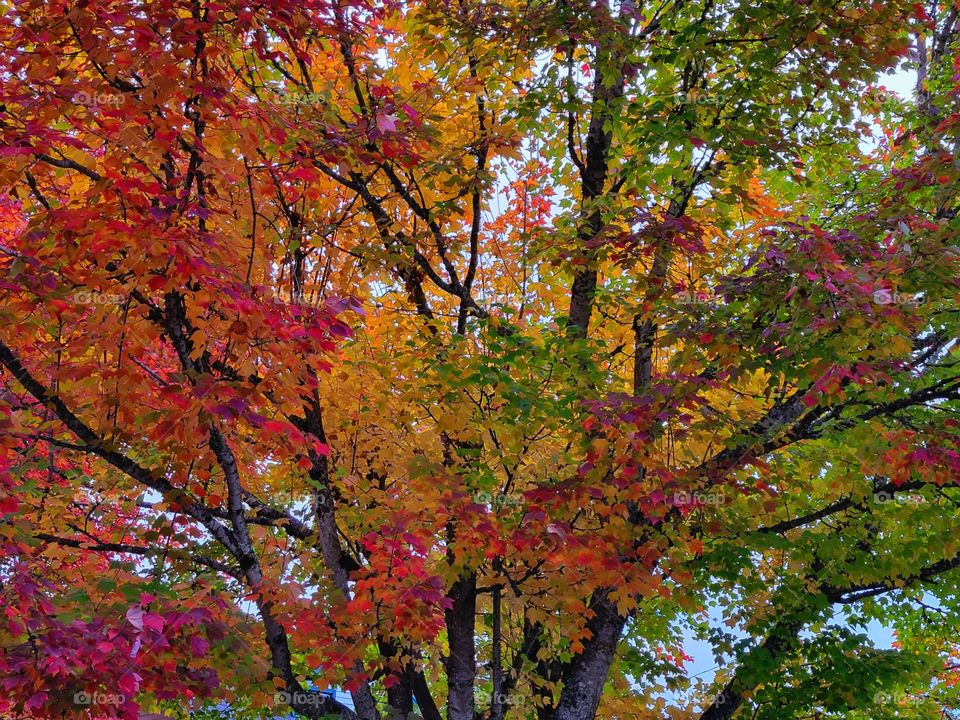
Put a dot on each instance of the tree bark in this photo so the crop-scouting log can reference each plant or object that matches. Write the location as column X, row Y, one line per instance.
column 585, row 675
column 593, row 178
column 461, row 662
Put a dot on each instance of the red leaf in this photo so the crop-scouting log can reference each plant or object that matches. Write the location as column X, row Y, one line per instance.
column 276, row 426
column 129, row 683
column 152, row 621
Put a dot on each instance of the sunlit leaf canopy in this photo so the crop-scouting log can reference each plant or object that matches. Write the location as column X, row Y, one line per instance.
column 474, row 357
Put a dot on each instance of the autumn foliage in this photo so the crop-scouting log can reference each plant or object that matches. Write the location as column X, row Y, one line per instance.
column 475, row 357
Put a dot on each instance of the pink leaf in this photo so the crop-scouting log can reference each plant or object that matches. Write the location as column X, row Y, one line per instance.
column 198, row 646
column 135, row 617
column 386, row 123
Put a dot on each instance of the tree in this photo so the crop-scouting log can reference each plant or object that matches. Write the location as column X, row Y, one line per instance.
column 465, row 355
